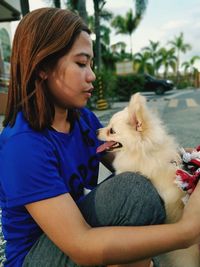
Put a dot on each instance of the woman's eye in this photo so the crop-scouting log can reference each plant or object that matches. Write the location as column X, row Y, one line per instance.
column 112, row 131
column 82, row 65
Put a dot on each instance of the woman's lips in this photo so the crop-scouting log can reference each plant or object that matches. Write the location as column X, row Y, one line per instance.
column 89, row 92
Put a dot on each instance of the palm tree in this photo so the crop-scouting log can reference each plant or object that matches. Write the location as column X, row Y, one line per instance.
column 24, row 6
column 119, row 46
column 153, row 53
column 180, row 46
column 142, row 63
column 104, row 29
column 98, row 6
column 186, row 65
column 119, row 51
column 189, row 68
column 128, row 24
column 79, row 6
column 191, row 62
column 167, row 59
column 57, row 3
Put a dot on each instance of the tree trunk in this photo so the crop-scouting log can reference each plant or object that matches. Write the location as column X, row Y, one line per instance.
column 131, row 46
column 24, row 7
column 81, row 7
column 57, row 3
column 97, row 33
column 177, row 68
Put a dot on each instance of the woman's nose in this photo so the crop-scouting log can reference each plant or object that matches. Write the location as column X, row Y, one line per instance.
column 91, row 77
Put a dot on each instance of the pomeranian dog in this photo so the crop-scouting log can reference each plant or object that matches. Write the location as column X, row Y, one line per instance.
column 141, row 144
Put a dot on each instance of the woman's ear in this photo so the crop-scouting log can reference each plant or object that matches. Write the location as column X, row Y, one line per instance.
column 43, row 75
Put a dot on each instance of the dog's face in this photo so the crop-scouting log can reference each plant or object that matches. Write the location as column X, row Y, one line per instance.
column 113, row 132
column 126, row 128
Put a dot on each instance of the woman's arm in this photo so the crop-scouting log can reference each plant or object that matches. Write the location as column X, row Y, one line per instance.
column 61, row 220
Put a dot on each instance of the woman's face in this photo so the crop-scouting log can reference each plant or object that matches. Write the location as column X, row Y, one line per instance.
column 70, row 82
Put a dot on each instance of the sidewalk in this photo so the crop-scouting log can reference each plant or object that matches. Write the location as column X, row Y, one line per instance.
column 105, row 115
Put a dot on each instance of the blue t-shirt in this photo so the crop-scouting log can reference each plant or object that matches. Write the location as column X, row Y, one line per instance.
column 39, row 165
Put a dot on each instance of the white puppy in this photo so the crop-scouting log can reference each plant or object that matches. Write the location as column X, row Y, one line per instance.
column 141, row 144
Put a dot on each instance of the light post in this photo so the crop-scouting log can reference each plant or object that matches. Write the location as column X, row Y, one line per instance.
column 101, row 102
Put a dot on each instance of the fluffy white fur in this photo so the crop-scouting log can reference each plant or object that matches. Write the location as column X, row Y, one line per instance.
column 142, row 144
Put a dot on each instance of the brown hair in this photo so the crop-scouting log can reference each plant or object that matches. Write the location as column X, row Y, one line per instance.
column 42, row 37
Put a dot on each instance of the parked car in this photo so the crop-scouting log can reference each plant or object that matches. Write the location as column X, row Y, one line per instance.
column 152, row 84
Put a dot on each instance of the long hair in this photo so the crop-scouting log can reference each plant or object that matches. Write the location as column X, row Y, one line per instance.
column 41, row 38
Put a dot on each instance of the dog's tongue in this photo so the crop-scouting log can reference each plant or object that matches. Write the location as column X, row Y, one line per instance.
column 105, row 146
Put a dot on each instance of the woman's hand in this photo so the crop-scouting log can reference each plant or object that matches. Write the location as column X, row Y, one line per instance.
column 191, row 216
column 189, row 149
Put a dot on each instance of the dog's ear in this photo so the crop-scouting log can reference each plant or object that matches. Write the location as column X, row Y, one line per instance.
column 136, row 109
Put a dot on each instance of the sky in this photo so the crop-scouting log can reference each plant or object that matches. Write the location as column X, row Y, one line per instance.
column 163, row 21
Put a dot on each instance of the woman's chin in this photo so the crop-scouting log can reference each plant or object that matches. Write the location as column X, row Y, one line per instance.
column 81, row 104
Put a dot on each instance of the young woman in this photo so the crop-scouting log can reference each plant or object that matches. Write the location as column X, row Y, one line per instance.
column 48, row 157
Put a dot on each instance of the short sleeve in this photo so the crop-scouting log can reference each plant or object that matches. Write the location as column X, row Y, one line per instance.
column 29, row 170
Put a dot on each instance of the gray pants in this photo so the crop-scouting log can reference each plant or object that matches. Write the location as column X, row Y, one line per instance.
column 125, row 199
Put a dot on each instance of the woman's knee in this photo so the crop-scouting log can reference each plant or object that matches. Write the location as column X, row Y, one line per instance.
column 128, row 199
column 143, row 206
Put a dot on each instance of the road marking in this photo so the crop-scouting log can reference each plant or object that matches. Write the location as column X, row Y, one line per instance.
column 173, row 103
column 191, row 103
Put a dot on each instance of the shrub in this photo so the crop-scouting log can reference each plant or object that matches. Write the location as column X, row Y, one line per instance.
column 128, row 85
column 108, row 81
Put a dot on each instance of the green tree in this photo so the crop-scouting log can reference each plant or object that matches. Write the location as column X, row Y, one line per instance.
column 98, row 7
column 167, row 59
column 180, row 47
column 128, row 24
column 105, row 30
column 153, row 50
column 57, row 3
column 24, row 6
column 106, row 57
column 189, row 65
column 79, row 6
column 142, row 62
column 189, row 69
column 119, row 46
column 119, row 50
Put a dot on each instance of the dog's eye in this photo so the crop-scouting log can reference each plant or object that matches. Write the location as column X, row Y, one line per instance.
column 112, row 131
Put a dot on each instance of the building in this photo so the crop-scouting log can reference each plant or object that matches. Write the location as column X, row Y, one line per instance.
column 10, row 10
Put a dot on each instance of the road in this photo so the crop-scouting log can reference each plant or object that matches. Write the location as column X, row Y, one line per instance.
column 180, row 113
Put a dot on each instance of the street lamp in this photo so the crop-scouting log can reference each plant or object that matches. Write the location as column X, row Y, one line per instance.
column 101, row 102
